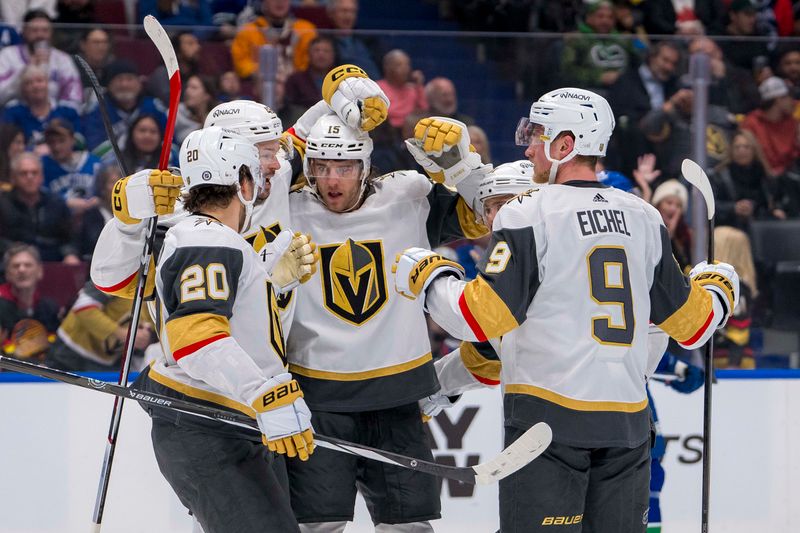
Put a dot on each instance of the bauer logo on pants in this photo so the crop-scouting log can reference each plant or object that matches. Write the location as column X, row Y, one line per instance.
column 353, row 279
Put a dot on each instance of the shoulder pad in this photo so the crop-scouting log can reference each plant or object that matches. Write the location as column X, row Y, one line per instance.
column 408, row 183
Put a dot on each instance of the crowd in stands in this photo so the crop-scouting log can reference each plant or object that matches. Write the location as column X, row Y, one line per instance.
column 57, row 166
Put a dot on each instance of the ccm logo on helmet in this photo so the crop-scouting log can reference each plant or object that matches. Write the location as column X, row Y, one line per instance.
column 220, row 112
column 331, row 145
column 574, row 96
column 347, row 70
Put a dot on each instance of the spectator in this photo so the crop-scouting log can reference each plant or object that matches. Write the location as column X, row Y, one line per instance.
column 95, row 49
column 402, row 86
column 142, row 147
column 742, row 188
column 732, row 87
column 277, row 27
column 79, row 13
column 665, row 17
column 8, row 35
column 596, row 57
column 352, row 49
column 125, row 103
column 304, row 88
column 199, row 98
column 12, row 143
column 69, row 173
column 180, row 13
column 671, row 199
column 95, row 218
column 230, row 88
column 35, row 108
column 31, row 215
column 37, row 33
column 636, row 92
column 92, row 336
column 741, row 52
column 788, row 68
column 20, row 297
column 443, row 100
column 774, row 126
column 480, row 141
column 188, row 50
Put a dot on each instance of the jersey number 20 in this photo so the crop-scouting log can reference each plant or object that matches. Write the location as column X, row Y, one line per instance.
column 609, row 284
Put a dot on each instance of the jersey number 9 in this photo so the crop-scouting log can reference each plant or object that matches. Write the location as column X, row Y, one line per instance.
column 609, row 284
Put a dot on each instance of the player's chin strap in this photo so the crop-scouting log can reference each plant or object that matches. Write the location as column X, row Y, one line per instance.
column 555, row 162
column 248, row 206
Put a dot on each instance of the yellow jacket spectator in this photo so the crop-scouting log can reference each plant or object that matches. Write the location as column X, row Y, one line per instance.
column 276, row 27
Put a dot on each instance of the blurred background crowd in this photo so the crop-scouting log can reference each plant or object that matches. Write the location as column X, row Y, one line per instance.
column 479, row 61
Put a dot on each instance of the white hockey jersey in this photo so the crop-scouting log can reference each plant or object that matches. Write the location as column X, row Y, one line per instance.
column 572, row 277
column 217, row 319
column 356, row 344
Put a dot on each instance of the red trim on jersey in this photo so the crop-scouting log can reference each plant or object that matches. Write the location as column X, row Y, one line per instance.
column 293, row 133
column 86, row 308
column 190, row 349
column 471, row 322
column 700, row 331
column 486, row 381
column 118, row 286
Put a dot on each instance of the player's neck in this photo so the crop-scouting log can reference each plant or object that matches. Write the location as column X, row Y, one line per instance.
column 574, row 171
column 229, row 216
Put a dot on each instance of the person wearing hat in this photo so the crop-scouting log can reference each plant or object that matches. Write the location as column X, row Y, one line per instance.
column 671, row 198
column 125, row 103
column 741, row 52
column 68, row 172
column 775, row 126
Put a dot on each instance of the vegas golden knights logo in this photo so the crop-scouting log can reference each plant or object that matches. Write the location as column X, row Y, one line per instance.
column 258, row 239
column 353, row 279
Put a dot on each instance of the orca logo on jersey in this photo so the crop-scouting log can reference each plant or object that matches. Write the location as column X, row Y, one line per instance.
column 258, row 239
column 353, row 279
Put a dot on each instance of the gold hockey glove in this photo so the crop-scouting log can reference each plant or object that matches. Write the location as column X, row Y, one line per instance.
column 145, row 194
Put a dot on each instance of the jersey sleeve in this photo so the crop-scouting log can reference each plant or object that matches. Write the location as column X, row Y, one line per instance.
column 198, row 286
column 450, row 217
column 679, row 306
column 497, row 300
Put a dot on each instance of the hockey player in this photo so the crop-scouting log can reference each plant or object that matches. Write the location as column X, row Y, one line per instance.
column 216, row 318
column 477, row 364
column 360, row 350
column 574, row 274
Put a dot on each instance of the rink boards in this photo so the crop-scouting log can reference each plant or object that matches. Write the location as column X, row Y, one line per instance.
column 53, row 438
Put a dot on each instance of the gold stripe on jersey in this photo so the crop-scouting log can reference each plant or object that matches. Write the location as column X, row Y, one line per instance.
column 200, row 394
column 575, row 405
column 478, row 364
column 689, row 318
column 190, row 329
column 358, row 376
column 466, row 219
column 487, row 309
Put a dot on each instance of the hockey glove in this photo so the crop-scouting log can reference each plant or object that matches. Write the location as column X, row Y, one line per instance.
column 416, row 268
column 690, row 378
column 358, row 100
column 434, row 404
column 722, row 280
column 291, row 259
column 284, row 418
column 145, row 194
column 441, row 147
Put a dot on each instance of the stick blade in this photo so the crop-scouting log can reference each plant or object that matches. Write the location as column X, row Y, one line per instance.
column 522, row 451
column 695, row 175
column 160, row 38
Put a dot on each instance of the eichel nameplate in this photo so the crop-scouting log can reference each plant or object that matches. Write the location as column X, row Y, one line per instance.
column 353, row 279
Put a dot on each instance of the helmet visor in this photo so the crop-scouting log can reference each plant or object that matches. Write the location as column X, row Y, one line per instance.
column 528, row 131
column 344, row 169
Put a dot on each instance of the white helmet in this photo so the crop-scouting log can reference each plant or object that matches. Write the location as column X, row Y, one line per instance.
column 585, row 114
column 253, row 121
column 331, row 138
column 509, row 178
column 214, row 156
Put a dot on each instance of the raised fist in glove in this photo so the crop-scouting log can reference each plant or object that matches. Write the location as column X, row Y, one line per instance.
column 416, row 268
column 358, row 100
column 283, row 417
column 145, row 194
column 441, row 147
column 721, row 280
column 291, row 259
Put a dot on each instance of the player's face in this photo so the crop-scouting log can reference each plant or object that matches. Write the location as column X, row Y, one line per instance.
column 338, row 182
column 535, row 154
column 268, row 152
column 23, row 271
column 492, row 205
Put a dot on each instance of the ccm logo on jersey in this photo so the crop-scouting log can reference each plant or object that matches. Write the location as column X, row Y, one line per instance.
column 280, row 392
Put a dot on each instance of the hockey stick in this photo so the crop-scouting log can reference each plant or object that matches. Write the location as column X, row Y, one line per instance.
column 162, row 42
column 524, row 450
column 695, row 175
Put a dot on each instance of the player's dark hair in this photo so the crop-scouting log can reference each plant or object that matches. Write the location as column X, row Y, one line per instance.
column 200, row 199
